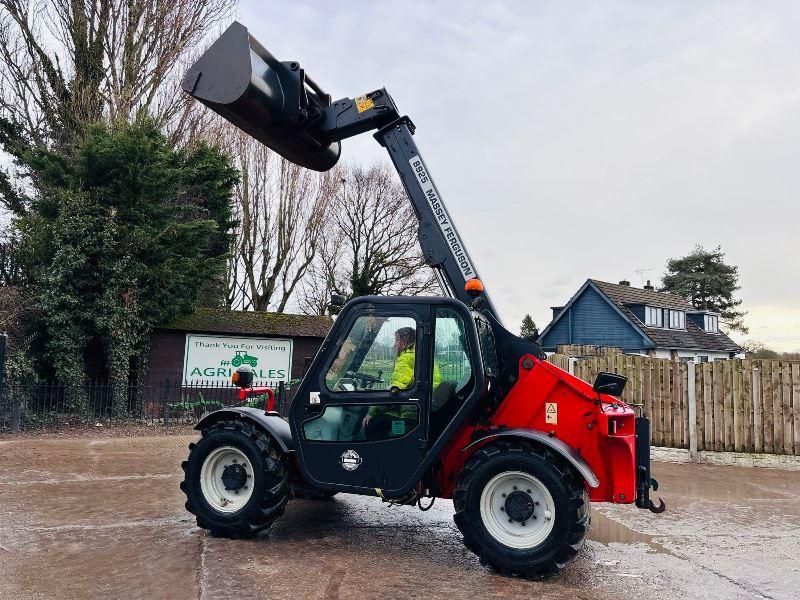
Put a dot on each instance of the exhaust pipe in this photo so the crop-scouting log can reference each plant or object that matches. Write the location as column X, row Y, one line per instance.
column 275, row 102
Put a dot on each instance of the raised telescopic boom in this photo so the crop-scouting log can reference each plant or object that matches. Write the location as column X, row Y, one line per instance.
column 280, row 106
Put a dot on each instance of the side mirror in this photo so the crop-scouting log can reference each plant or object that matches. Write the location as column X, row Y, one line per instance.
column 243, row 377
column 336, row 304
column 610, row 383
column 338, row 300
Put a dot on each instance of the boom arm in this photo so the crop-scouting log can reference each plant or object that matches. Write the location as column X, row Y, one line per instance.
column 442, row 245
column 282, row 107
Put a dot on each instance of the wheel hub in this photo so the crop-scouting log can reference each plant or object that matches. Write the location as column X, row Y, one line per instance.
column 519, row 506
column 224, row 479
column 517, row 509
column 234, row 477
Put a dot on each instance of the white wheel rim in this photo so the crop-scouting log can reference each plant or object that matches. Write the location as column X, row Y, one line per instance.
column 516, row 532
column 211, row 483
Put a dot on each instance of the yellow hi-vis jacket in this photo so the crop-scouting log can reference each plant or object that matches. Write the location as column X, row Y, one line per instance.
column 403, row 378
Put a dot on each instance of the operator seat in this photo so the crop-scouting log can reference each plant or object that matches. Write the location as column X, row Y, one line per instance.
column 445, row 402
column 443, row 393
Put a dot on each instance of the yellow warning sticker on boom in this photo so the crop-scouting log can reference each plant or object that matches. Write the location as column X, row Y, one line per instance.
column 364, row 103
column 551, row 413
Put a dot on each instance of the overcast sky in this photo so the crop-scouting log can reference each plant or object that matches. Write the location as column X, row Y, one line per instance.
column 585, row 139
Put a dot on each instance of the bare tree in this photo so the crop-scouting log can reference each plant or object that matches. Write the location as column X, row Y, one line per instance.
column 281, row 209
column 370, row 246
column 65, row 64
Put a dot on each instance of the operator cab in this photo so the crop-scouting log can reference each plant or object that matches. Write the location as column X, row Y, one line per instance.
column 392, row 381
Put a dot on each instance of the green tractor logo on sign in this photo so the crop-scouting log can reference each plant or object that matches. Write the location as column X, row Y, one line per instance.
column 243, row 358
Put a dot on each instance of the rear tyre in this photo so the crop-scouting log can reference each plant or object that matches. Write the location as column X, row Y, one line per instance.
column 521, row 509
column 236, row 479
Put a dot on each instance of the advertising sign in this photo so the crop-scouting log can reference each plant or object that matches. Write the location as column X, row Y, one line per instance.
column 211, row 359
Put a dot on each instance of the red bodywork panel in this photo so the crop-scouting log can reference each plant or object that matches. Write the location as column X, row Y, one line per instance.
column 602, row 433
column 245, row 393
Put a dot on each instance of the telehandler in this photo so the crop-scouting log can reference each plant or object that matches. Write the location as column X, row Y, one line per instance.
column 521, row 446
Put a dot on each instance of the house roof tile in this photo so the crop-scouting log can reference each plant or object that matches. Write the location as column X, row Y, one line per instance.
column 625, row 294
column 214, row 320
column 692, row 337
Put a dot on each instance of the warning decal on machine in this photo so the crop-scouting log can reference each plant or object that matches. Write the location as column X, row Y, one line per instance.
column 364, row 103
column 551, row 413
column 442, row 218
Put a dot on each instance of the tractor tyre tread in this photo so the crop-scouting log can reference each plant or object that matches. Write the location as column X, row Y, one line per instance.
column 576, row 497
column 259, row 513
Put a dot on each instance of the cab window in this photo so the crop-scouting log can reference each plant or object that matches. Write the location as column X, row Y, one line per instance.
column 452, row 371
column 377, row 354
column 349, row 422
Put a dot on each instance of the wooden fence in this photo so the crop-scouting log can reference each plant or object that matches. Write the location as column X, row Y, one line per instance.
column 733, row 405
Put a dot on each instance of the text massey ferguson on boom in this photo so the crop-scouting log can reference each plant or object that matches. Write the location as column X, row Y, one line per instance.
column 409, row 397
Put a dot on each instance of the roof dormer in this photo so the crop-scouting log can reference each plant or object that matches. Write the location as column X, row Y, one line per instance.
column 706, row 320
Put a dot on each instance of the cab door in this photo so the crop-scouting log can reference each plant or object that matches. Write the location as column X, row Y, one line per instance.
column 360, row 417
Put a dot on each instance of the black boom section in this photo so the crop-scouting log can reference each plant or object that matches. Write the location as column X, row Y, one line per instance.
column 441, row 243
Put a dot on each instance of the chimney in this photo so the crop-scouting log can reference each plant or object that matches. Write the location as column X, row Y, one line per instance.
column 648, row 286
column 625, row 282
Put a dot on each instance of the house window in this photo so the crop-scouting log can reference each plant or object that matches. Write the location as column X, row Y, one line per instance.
column 711, row 323
column 677, row 319
column 703, row 359
column 653, row 317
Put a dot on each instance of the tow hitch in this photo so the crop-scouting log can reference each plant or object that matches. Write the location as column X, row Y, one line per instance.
column 644, row 481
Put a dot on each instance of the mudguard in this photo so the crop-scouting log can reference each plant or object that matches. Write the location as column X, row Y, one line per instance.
column 271, row 422
column 555, row 444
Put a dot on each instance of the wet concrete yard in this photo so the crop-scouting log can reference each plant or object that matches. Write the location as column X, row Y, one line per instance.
column 104, row 518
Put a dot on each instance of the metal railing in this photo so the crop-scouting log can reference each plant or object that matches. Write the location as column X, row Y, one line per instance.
column 48, row 405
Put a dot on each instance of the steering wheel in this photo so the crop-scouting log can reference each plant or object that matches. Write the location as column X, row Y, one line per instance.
column 366, row 379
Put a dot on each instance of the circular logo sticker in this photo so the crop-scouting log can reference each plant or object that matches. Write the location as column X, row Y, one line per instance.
column 350, row 460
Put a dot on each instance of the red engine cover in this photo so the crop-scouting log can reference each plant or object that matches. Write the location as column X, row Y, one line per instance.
column 550, row 400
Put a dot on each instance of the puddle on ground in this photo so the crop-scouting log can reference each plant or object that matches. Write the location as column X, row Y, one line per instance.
column 607, row 531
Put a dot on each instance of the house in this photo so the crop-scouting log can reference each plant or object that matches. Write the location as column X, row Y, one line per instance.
column 638, row 320
column 205, row 347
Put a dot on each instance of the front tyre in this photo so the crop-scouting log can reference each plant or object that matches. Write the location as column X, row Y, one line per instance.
column 236, row 479
column 521, row 509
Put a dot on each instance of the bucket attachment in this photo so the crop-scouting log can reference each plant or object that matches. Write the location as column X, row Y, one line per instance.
column 273, row 101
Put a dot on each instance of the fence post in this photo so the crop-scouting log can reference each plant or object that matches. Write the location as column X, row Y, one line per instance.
column 571, row 365
column 281, row 396
column 692, row 398
column 165, row 401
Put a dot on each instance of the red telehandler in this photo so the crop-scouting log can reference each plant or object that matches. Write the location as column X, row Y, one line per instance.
column 521, row 446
